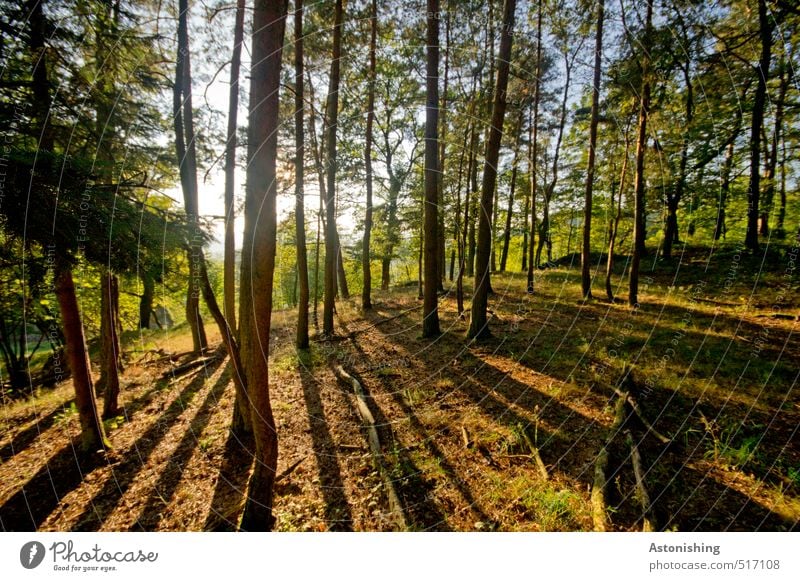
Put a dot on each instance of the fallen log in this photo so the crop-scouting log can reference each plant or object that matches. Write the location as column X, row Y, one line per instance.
column 649, row 521
column 188, row 366
column 395, row 506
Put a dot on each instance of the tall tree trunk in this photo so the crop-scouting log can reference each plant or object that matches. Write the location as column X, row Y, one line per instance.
column 229, row 264
column 759, row 100
column 299, row 203
column 473, row 199
column 109, row 350
column 673, row 200
column 258, row 253
column 780, row 230
column 526, row 210
column 510, row 208
column 534, row 147
column 462, row 256
column 613, row 225
column 442, row 139
column 478, row 326
column 92, row 436
column 586, row 275
column 641, row 146
column 420, row 259
column 430, row 306
column 772, row 164
column 312, row 130
column 186, row 151
column 366, row 300
column 456, row 248
column 331, row 120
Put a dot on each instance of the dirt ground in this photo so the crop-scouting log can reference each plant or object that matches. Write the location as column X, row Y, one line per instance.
column 456, row 423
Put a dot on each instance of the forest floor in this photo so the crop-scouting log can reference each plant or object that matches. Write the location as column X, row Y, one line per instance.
column 715, row 369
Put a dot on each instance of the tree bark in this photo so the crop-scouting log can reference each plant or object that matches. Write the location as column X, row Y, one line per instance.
column 641, row 146
column 510, row 208
column 185, row 149
column 432, row 280
column 258, row 253
column 229, row 265
column 331, row 120
column 301, row 339
column 586, row 276
column 671, row 226
column 772, row 164
column 759, row 100
column 613, row 226
column 442, row 139
column 534, row 146
column 479, row 327
column 92, row 435
column 109, row 351
column 366, row 299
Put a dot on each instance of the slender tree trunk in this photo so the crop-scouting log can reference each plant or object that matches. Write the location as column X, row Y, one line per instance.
column 462, row 250
column 534, row 147
column 526, row 210
column 92, row 436
column 430, row 306
column 185, row 149
column 299, row 202
column 641, row 146
column 727, row 168
column 613, row 226
column 673, row 200
column 780, row 230
column 586, row 275
column 478, row 322
column 341, row 275
column 772, row 165
column 109, row 352
column 456, row 250
column 472, row 200
column 420, row 261
column 331, row 120
column 229, row 265
column 312, row 130
column 510, row 208
column 366, row 300
column 442, row 139
column 258, row 253
column 759, row 101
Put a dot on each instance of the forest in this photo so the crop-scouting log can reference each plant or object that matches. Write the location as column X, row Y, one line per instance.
column 412, row 265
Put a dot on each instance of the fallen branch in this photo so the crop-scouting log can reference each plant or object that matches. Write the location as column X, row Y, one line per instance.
column 649, row 524
column 465, row 437
column 395, row 506
column 536, row 456
column 599, row 500
column 289, row 470
column 638, row 412
column 181, row 369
